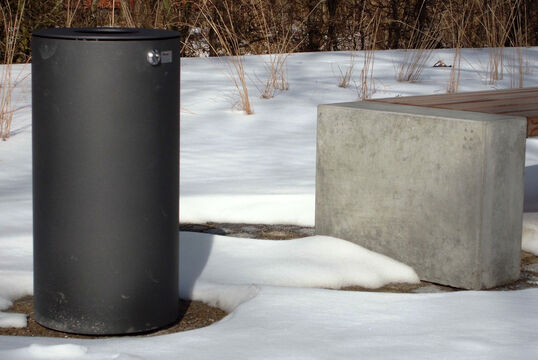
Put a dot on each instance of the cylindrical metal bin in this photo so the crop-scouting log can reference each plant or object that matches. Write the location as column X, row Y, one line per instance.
column 105, row 179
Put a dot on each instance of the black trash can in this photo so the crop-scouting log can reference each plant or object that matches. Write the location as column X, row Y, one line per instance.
column 105, row 179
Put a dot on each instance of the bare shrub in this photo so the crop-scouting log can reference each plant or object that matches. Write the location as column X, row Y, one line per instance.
column 126, row 12
column 277, row 34
column 277, row 37
column 357, row 28
column 222, row 25
column 418, row 50
column 345, row 76
column 71, row 7
column 12, row 22
column 519, row 66
column 497, row 20
column 367, row 86
column 458, row 18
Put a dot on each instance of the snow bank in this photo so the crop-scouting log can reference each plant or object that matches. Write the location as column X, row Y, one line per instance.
column 225, row 271
column 210, row 263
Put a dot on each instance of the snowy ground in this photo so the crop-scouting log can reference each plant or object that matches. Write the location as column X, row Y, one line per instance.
column 261, row 169
column 292, row 323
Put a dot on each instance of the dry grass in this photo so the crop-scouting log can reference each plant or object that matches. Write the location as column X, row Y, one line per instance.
column 358, row 27
column 126, row 16
column 71, row 7
column 418, row 49
column 277, row 49
column 222, row 25
column 517, row 65
column 519, row 59
column 455, row 72
column 498, row 18
column 12, row 22
column 278, row 43
column 126, row 13
column 159, row 18
column 458, row 18
column 345, row 76
column 113, row 13
column 367, row 85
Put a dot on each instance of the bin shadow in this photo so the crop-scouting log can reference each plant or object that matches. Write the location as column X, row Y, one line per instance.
column 194, row 252
column 531, row 189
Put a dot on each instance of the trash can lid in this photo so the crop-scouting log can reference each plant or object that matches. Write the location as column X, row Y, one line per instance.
column 106, row 33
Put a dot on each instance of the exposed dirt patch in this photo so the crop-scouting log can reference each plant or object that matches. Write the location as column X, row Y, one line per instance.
column 528, row 259
column 194, row 315
column 254, row 231
column 405, row 288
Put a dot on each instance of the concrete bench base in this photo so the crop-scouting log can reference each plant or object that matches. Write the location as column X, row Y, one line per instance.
column 440, row 190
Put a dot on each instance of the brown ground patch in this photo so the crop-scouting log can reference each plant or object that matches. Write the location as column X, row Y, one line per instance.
column 528, row 258
column 401, row 288
column 196, row 314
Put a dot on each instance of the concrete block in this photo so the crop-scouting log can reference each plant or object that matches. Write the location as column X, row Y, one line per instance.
column 440, row 190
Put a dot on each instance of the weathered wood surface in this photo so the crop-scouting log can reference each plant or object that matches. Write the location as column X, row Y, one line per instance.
column 520, row 102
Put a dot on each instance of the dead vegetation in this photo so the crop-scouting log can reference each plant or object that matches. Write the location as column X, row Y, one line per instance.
column 11, row 19
column 231, row 29
column 313, row 25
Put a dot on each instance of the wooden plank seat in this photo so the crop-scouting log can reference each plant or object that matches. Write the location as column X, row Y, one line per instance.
column 519, row 102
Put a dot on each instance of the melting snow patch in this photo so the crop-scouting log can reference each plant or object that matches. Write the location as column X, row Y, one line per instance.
column 12, row 320
column 15, row 284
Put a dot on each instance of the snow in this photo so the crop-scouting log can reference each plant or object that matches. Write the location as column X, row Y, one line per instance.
column 293, row 323
column 258, row 168
column 531, row 156
column 35, row 351
column 12, row 320
column 530, row 233
column 253, row 158
column 249, row 208
column 207, row 262
column 16, row 277
column 261, row 169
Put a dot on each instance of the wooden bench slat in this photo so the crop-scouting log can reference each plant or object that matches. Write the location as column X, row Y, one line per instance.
column 434, row 100
column 460, row 97
column 498, row 109
column 532, row 126
column 483, row 102
column 520, row 102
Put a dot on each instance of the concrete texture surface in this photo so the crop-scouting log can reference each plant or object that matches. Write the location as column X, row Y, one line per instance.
column 439, row 190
